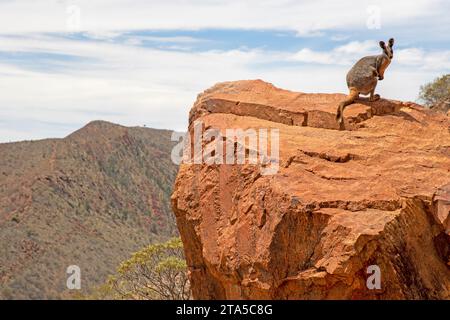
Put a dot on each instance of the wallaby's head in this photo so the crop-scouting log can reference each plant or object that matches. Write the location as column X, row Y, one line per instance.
column 388, row 50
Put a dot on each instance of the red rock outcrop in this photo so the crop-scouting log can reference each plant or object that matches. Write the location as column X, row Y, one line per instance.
column 377, row 193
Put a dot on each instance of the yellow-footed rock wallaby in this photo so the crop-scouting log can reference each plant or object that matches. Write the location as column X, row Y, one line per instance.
column 364, row 75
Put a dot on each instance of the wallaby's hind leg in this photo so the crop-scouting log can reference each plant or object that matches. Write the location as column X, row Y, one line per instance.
column 374, row 97
column 352, row 96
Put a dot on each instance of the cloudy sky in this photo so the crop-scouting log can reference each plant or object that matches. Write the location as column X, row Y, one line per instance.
column 142, row 62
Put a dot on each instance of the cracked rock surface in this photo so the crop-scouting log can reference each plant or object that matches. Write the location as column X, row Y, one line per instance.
column 376, row 193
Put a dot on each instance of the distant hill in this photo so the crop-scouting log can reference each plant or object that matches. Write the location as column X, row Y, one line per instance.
column 89, row 199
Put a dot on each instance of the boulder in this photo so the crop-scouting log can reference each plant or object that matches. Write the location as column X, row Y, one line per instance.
column 342, row 203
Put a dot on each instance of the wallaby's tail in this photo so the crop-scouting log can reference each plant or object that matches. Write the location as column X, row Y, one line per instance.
column 352, row 96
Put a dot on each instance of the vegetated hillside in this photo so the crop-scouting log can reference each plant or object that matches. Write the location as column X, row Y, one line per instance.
column 89, row 200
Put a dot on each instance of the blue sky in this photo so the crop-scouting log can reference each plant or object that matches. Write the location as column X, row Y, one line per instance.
column 136, row 62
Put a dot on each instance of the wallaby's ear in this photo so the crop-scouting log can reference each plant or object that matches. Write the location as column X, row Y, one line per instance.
column 391, row 42
column 382, row 45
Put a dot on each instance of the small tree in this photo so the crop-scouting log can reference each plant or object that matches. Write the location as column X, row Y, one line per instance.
column 436, row 94
column 156, row 272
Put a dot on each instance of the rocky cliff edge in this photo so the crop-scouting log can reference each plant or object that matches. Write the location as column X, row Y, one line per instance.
column 342, row 201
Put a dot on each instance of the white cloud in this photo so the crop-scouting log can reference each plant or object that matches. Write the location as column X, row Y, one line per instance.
column 356, row 47
column 305, row 17
column 340, row 37
column 116, row 82
column 172, row 43
column 410, row 56
column 135, row 85
column 354, row 50
column 419, row 58
column 308, row 55
column 341, row 55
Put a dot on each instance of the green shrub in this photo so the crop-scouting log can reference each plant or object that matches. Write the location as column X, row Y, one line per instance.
column 156, row 272
column 436, row 94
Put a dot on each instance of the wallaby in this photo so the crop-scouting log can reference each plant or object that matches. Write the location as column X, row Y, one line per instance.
column 364, row 75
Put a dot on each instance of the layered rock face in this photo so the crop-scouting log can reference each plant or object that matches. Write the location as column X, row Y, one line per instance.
column 374, row 194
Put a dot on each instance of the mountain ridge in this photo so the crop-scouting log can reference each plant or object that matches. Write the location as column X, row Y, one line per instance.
column 88, row 199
